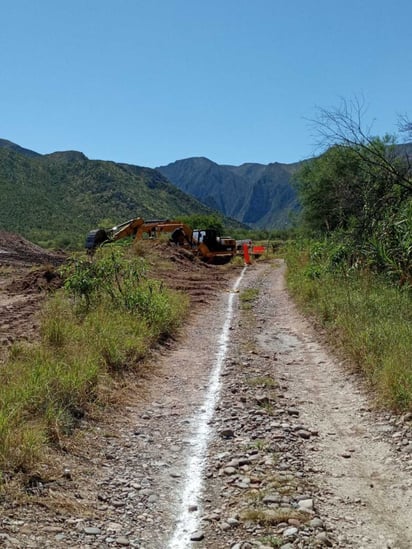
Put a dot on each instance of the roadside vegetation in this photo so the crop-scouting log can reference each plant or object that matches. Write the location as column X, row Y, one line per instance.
column 351, row 262
column 98, row 327
column 366, row 316
column 247, row 297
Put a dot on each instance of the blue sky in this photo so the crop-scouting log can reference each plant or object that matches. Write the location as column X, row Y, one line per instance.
column 149, row 82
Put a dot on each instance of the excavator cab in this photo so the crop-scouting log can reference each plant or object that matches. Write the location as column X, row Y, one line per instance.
column 214, row 248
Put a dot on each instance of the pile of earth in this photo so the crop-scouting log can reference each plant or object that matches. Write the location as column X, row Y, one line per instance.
column 181, row 270
column 39, row 280
column 27, row 274
column 14, row 249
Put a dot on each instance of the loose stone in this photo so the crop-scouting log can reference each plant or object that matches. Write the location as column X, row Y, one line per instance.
column 305, row 504
column 290, row 532
column 197, row 536
column 323, row 539
column 316, row 523
column 123, row 541
column 227, row 433
column 92, row 531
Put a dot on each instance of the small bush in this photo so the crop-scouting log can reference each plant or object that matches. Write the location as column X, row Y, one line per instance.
column 247, row 297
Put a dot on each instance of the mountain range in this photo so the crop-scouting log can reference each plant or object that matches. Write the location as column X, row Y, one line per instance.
column 56, row 199
column 59, row 197
column 258, row 195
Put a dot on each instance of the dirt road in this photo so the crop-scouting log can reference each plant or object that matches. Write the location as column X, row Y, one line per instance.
column 246, row 433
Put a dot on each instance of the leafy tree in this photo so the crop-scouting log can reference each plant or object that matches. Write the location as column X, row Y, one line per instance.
column 199, row 221
column 328, row 188
column 362, row 187
column 345, row 188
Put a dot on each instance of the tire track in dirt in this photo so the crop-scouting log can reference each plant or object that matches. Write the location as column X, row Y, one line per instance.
column 365, row 488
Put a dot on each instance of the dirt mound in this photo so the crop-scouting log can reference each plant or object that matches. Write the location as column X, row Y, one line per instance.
column 181, row 270
column 37, row 281
column 16, row 249
column 22, row 291
column 27, row 272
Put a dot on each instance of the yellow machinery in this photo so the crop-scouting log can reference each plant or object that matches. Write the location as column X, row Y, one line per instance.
column 206, row 243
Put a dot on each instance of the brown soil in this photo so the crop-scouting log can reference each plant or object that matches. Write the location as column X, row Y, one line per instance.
column 119, row 482
column 27, row 273
column 182, row 271
column 17, row 251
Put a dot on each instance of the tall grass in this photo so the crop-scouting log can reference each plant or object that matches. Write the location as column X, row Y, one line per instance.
column 103, row 323
column 369, row 318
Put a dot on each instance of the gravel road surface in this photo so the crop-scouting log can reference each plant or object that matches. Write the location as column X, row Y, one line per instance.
column 244, row 433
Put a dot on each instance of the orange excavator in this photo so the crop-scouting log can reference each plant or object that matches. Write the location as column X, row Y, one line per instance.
column 205, row 243
column 98, row 237
column 181, row 233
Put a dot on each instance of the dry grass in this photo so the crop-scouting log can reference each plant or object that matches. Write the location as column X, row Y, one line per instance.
column 264, row 382
column 247, row 298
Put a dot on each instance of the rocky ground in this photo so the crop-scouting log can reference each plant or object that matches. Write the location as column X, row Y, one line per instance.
column 295, row 455
column 309, row 464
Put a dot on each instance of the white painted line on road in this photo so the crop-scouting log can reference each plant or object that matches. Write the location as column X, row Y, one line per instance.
column 187, row 520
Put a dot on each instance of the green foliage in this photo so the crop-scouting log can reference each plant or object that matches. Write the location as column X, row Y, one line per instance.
column 122, row 282
column 361, row 194
column 55, row 200
column 247, row 297
column 370, row 319
column 110, row 275
column 389, row 249
column 272, row 541
column 263, row 235
column 202, row 221
column 103, row 322
column 328, row 189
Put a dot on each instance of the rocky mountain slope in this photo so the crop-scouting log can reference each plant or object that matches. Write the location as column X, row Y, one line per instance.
column 258, row 195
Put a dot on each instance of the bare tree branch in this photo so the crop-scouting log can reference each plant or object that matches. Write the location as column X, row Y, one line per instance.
column 344, row 126
column 405, row 125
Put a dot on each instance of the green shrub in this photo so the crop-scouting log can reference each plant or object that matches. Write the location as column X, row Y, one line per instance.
column 104, row 321
column 368, row 317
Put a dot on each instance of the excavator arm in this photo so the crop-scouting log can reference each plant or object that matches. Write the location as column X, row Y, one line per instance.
column 206, row 243
column 98, row 237
column 181, row 233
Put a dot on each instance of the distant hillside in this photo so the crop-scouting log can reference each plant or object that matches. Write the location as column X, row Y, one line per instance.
column 259, row 195
column 255, row 194
column 57, row 198
column 5, row 144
